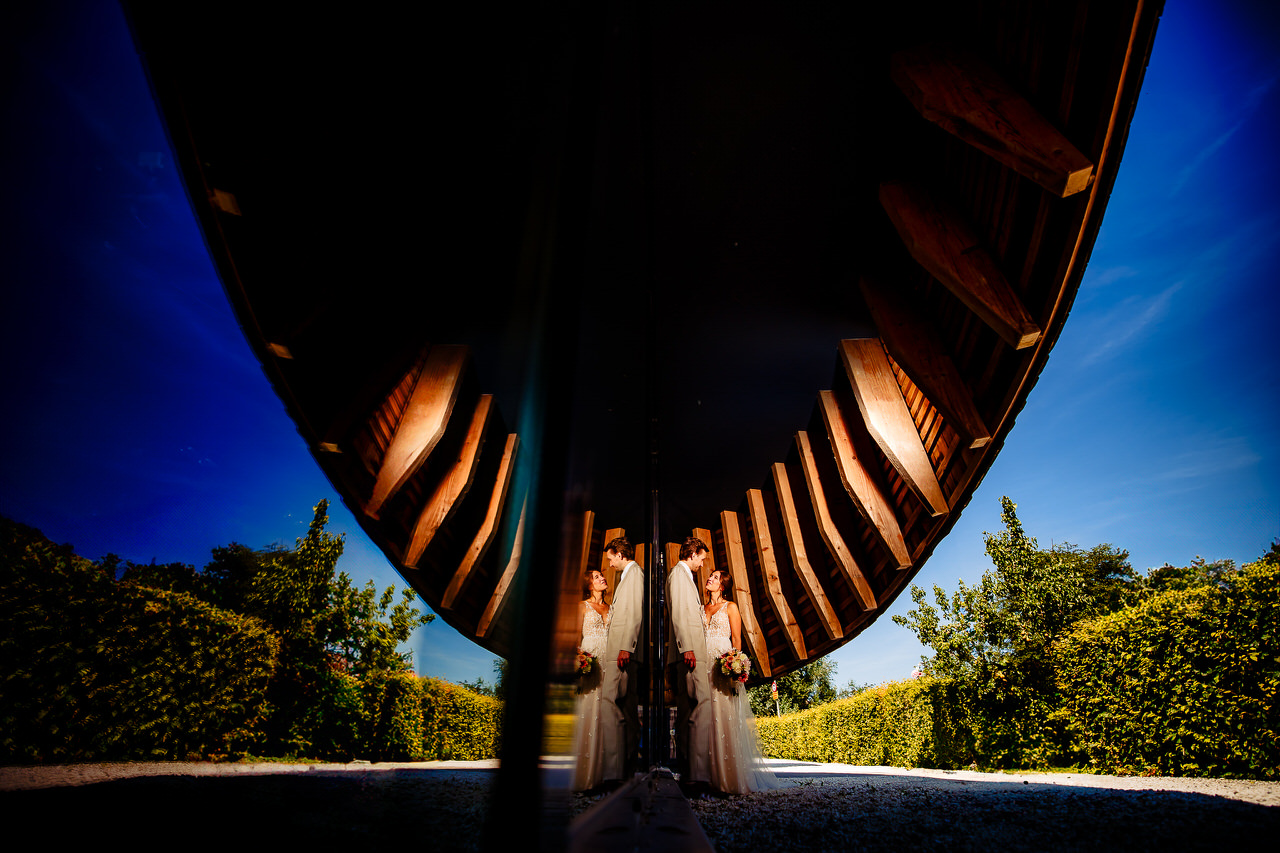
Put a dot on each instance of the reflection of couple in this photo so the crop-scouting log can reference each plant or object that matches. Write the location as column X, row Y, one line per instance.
column 607, row 727
column 715, row 729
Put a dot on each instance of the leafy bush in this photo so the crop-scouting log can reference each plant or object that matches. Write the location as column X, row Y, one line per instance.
column 1184, row 683
column 904, row 724
column 457, row 723
column 93, row 670
column 393, row 716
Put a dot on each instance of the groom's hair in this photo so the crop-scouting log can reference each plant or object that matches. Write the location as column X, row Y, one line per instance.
column 691, row 546
column 620, row 546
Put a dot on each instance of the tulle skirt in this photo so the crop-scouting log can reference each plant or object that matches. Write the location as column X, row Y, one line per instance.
column 597, row 758
column 730, row 753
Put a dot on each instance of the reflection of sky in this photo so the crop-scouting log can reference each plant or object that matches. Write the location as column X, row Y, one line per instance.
column 138, row 422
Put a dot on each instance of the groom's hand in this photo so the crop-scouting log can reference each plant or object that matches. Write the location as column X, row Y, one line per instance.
column 691, row 659
column 624, row 657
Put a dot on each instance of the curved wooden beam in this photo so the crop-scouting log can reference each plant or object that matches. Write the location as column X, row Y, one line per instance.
column 799, row 556
column 888, row 420
column 736, row 559
column 422, row 423
column 862, row 489
column 946, row 245
column 913, row 343
column 769, row 569
column 452, row 489
column 827, row 527
column 964, row 96
column 484, row 536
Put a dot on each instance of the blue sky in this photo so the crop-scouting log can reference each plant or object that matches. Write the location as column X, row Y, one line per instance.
column 138, row 422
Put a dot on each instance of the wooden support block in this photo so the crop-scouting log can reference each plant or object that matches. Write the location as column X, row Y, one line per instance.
column 826, row 525
column 610, row 573
column 858, row 482
column 453, row 488
column 499, row 597
column 673, row 555
column 800, row 557
column 913, row 343
column 422, row 423
column 584, row 550
column 963, row 95
column 888, row 420
column 769, row 569
column 709, row 564
column 484, row 536
column 736, row 560
column 946, row 245
column 640, row 557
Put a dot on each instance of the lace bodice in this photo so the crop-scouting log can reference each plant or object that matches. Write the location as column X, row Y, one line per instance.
column 719, row 637
column 595, row 631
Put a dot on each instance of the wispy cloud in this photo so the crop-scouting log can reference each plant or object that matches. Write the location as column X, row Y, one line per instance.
column 1246, row 110
column 1127, row 321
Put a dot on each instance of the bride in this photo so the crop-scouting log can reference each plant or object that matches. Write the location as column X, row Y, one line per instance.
column 734, row 762
column 594, row 763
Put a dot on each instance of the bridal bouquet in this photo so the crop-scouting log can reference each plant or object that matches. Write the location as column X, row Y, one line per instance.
column 586, row 662
column 736, row 666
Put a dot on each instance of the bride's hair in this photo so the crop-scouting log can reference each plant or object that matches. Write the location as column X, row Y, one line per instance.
column 726, row 584
column 586, row 582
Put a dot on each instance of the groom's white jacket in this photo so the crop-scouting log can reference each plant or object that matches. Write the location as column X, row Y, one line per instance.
column 627, row 613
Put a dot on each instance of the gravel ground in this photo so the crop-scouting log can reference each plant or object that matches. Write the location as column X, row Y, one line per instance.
column 864, row 808
column 820, row 806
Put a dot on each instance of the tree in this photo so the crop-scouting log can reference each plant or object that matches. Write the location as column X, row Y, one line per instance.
column 994, row 638
column 798, row 690
column 328, row 629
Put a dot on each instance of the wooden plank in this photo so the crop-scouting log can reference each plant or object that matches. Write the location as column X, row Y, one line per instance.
column 866, row 495
column 673, row 555
column 888, row 420
column 484, row 536
column 963, row 95
column 826, row 525
column 709, row 564
column 736, row 560
column 800, row 557
column 946, row 245
column 914, row 344
column 769, row 569
column 422, row 423
column 453, row 488
column 499, row 597
column 584, row 551
column 640, row 557
column 610, row 573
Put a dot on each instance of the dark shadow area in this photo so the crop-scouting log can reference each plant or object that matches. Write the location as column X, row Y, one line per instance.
column 444, row 810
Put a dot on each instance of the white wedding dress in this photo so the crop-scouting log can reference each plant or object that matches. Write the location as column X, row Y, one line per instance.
column 595, row 763
column 733, row 761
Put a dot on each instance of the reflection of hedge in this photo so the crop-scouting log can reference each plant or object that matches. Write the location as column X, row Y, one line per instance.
column 1185, row 683
column 92, row 670
column 903, row 724
column 457, row 723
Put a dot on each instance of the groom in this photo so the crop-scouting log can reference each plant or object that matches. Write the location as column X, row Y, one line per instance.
column 686, row 650
column 624, row 635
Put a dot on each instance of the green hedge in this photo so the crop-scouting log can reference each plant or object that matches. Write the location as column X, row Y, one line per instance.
column 903, row 724
column 1182, row 684
column 94, row 670
column 459, row 724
